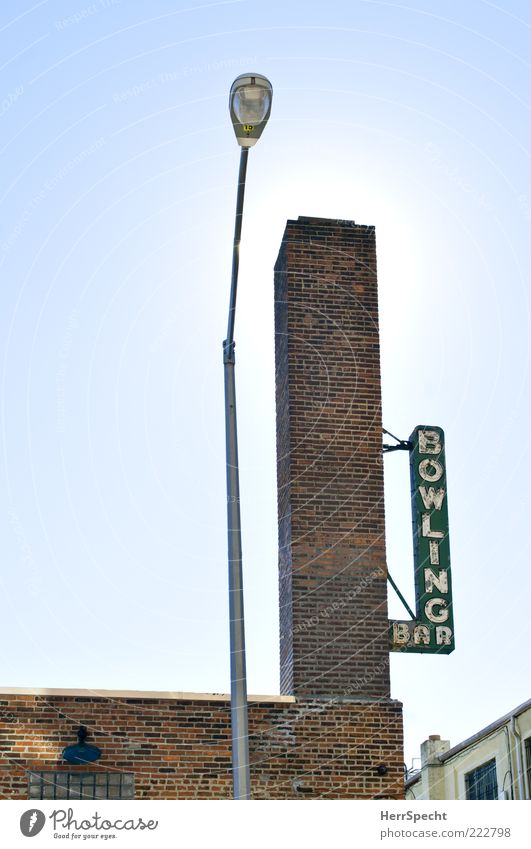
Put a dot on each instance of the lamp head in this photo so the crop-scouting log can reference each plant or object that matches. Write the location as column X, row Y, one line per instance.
column 82, row 752
column 250, row 106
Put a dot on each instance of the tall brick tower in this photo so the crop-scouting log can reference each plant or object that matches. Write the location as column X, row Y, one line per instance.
column 333, row 596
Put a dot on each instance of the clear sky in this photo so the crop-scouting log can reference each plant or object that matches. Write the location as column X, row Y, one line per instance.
column 118, row 183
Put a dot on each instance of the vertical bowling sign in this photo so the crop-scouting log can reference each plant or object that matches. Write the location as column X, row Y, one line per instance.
column 432, row 632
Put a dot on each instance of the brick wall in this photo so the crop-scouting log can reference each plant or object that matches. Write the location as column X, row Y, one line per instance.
column 179, row 748
column 333, row 595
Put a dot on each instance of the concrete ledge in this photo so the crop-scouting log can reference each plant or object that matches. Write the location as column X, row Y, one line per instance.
column 138, row 694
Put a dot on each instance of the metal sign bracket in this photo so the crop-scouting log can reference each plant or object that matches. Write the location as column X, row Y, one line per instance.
column 402, row 444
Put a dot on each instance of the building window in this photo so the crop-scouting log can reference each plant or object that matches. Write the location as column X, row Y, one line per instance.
column 81, row 785
column 482, row 783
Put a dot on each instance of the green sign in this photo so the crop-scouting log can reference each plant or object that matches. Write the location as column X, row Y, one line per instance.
column 432, row 631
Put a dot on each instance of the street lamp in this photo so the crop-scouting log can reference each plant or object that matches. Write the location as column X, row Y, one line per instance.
column 250, row 105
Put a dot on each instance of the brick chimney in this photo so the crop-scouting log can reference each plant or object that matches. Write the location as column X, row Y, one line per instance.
column 332, row 567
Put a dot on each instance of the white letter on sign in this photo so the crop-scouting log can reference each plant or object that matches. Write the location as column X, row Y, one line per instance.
column 426, row 528
column 429, row 442
column 443, row 635
column 442, row 616
column 400, row 633
column 430, row 476
column 421, row 634
column 432, row 498
column 440, row 581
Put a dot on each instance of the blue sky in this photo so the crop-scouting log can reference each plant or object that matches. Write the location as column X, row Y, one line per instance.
column 117, row 202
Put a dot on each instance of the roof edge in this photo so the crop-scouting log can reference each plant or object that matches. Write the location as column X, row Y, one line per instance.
column 489, row 729
column 137, row 694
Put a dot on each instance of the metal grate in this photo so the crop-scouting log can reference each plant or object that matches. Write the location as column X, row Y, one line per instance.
column 482, row 782
column 81, row 785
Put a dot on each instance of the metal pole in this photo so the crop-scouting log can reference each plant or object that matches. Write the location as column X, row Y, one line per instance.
column 229, row 341
column 400, row 596
column 238, row 675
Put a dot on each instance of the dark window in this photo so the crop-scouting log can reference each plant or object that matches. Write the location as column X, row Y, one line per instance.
column 482, row 783
column 81, row 785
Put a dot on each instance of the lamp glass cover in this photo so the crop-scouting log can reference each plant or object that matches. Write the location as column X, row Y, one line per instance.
column 251, row 103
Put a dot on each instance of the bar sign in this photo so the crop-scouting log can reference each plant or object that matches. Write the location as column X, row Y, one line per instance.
column 432, row 632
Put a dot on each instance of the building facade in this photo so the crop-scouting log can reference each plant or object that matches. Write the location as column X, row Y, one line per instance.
column 495, row 763
column 334, row 732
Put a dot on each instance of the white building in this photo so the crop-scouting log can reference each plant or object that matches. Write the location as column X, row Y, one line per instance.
column 495, row 763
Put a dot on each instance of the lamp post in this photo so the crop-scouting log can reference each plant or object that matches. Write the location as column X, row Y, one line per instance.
column 250, row 106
